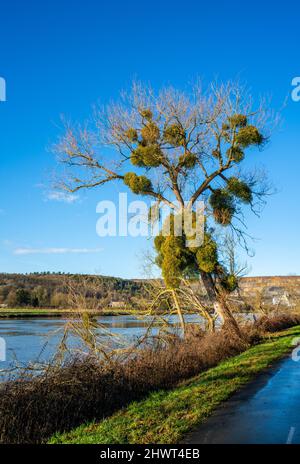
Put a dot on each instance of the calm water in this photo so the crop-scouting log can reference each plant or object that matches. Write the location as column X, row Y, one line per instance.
column 29, row 340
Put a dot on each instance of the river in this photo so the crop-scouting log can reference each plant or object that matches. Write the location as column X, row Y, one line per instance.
column 31, row 339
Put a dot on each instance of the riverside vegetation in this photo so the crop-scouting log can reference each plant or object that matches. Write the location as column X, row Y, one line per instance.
column 89, row 389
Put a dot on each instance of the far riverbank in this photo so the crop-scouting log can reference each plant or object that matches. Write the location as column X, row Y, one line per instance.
column 36, row 312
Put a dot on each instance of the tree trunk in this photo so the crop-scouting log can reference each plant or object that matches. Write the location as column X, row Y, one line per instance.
column 219, row 304
column 179, row 312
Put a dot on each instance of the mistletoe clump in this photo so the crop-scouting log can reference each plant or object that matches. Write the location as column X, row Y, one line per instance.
column 229, row 282
column 175, row 135
column 239, row 189
column 240, row 135
column 248, row 136
column 222, row 203
column 207, row 254
column 147, row 152
column 173, row 257
column 236, row 154
column 237, row 120
column 176, row 260
column 150, row 132
column 188, row 160
column 147, row 156
column 138, row 184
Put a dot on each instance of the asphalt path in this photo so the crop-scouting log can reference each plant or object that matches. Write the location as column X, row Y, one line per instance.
column 266, row 411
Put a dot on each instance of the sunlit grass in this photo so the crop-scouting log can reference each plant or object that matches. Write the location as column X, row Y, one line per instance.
column 23, row 312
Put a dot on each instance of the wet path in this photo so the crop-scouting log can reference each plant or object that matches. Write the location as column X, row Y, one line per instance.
column 266, row 411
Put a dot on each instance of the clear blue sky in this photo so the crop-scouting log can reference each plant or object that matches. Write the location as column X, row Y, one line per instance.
column 62, row 56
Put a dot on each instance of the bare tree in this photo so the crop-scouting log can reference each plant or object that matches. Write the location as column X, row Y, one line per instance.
column 182, row 147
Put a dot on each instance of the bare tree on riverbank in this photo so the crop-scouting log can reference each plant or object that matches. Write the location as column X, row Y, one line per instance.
column 176, row 148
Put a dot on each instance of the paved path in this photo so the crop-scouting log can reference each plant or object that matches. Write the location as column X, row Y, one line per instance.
column 266, row 411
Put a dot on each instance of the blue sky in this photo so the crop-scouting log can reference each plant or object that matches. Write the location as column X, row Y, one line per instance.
column 60, row 57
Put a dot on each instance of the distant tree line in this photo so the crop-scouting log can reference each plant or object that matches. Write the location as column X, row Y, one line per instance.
column 49, row 290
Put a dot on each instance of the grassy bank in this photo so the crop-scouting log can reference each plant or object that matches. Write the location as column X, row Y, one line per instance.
column 32, row 312
column 39, row 312
column 165, row 416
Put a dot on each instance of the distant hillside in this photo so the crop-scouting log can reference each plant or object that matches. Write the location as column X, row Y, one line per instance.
column 271, row 288
column 47, row 290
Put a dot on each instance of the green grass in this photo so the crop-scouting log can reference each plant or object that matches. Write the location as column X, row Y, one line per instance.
column 166, row 416
column 23, row 312
column 36, row 312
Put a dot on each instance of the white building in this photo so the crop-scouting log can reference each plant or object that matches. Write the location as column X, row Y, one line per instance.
column 117, row 304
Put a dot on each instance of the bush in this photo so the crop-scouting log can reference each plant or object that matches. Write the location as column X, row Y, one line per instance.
column 277, row 322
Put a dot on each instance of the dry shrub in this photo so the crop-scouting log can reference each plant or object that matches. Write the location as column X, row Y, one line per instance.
column 277, row 322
